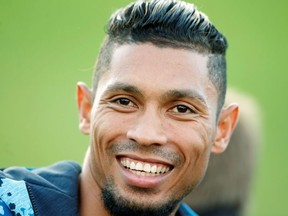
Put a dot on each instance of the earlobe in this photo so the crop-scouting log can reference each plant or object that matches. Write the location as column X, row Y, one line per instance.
column 84, row 102
column 227, row 122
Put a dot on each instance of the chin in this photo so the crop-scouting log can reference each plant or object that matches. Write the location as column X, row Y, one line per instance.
column 136, row 205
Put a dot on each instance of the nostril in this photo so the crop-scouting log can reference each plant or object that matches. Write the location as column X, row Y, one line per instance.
column 147, row 138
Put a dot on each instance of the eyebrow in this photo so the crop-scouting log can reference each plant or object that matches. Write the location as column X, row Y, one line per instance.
column 186, row 93
column 119, row 86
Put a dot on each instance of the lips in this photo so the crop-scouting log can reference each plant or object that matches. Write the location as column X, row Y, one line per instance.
column 144, row 168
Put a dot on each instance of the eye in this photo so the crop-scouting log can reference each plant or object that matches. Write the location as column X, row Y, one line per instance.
column 125, row 102
column 182, row 109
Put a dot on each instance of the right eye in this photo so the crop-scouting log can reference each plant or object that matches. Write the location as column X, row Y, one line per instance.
column 125, row 102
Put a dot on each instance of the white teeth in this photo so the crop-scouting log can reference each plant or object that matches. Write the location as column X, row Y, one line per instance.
column 153, row 169
column 139, row 166
column 163, row 170
column 147, row 168
column 144, row 169
column 132, row 165
column 127, row 164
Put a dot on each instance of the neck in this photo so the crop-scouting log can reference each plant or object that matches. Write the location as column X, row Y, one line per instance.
column 90, row 194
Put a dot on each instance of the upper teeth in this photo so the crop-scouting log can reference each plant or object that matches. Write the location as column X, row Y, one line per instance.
column 145, row 167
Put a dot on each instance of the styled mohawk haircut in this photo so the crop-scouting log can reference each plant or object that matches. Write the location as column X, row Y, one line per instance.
column 166, row 21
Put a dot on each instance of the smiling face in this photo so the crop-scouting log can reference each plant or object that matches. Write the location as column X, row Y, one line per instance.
column 152, row 126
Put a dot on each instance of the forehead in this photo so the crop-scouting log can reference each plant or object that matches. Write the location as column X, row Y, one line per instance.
column 156, row 70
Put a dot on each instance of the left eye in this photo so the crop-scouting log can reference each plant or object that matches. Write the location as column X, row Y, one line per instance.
column 182, row 109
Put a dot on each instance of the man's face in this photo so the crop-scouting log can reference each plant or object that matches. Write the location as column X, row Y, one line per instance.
column 153, row 123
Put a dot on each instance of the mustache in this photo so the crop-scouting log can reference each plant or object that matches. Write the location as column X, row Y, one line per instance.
column 152, row 150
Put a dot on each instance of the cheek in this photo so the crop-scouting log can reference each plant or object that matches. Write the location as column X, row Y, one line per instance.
column 106, row 126
column 196, row 152
column 201, row 146
column 105, row 129
column 193, row 138
column 194, row 142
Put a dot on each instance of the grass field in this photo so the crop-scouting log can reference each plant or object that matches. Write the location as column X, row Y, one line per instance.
column 47, row 46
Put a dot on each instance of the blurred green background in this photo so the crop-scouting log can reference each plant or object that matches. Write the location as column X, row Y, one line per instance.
column 47, row 46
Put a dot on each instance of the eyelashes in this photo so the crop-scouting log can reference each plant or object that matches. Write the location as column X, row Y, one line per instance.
column 183, row 109
column 124, row 102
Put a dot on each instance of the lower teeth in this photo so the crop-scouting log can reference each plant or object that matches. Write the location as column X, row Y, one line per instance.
column 140, row 173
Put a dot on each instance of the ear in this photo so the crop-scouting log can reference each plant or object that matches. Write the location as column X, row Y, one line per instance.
column 84, row 102
column 226, row 124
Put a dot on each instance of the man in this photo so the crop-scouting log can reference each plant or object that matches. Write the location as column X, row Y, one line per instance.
column 154, row 115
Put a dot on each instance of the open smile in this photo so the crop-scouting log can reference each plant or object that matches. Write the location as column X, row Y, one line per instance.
column 144, row 168
column 144, row 174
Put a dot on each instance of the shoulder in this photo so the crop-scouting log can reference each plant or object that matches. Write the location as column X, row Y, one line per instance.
column 14, row 198
column 45, row 176
column 65, row 168
column 37, row 187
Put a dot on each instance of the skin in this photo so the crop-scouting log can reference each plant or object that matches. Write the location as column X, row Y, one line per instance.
column 155, row 106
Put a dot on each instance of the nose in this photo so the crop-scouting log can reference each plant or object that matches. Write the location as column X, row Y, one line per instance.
column 148, row 129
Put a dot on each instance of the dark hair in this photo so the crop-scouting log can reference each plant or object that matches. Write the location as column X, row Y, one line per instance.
column 166, row 23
